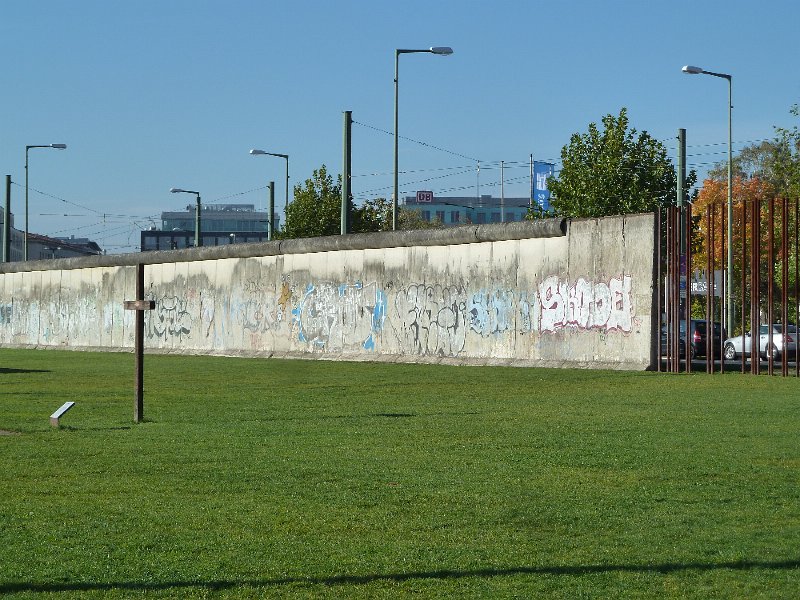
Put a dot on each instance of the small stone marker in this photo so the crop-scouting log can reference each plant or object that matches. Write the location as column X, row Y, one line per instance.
column 60, row 413
column 139, row 305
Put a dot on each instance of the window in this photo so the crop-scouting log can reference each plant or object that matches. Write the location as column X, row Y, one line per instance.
column 480, row 217
column 495, row 217
column 455, row 216
column 426, row 215
column 440, row 215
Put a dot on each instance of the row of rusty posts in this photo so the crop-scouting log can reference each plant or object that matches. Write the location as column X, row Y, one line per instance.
column 769, row 238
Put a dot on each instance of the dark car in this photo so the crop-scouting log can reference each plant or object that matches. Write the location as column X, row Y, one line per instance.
column 666, row 350
column 698, row 334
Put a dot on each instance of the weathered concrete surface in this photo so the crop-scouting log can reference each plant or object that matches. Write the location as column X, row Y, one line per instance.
column 549, row 293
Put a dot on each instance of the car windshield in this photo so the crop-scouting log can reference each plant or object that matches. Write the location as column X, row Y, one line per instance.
column 777, row 328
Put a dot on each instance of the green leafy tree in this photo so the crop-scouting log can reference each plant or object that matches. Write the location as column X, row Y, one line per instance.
column 317, row 204
column 772, row 161
column 377, row 216
column 787, row 158
column 613, row 171
column 408, row 219
column 371, row 216
column 315, row 208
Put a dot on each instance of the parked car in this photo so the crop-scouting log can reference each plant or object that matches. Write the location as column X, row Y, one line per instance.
column 665, row 348
column 698, row 334
column 781, row 344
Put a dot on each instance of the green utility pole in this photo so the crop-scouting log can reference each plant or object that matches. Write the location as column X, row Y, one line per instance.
column 7, row 223
column 198, row 239
column 681, row 168
column 271, row 216
column 346, row 172
column 681, row 199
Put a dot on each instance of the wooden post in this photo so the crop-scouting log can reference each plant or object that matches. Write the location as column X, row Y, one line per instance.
column 139, row 305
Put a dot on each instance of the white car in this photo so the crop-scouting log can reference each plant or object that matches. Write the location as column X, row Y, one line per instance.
column 780, row 344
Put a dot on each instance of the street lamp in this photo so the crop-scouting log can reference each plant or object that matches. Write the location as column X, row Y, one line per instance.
column 255, row 152
column 441, row 51
column 198, row 241
column 690, row 70
column 57, row 147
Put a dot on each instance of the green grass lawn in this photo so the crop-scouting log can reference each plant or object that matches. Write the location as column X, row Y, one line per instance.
column 255, row 478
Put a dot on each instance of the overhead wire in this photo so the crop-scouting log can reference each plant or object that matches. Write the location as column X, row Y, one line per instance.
column 452, row 171
column 417, row 141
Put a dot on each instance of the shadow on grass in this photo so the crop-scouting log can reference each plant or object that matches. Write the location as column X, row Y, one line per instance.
column 444, row 574
column 76, row 428
column 394, row 415
column 352, row 417
column 4, row 370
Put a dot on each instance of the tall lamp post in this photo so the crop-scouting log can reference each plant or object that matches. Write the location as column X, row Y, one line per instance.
column 690, row 70
column 441, row 51
column 255, row 152
column 198, row 240
column 57, row 147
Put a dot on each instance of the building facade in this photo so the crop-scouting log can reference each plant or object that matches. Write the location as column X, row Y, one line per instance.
column 464, row 210
column 42, row 247
column 220, row 224
column 16, row 251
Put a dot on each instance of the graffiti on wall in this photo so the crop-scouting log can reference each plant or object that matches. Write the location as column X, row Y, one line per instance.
column 427, row 319
column 258, row 311
column 422, row 318
column 435, row 319
column 491, row 312
column 586, row 305
column 432, row 319
column 5, row 314
column 169, row 320
column 343, row 316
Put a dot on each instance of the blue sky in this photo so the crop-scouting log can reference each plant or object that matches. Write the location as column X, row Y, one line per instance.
column 154, row 94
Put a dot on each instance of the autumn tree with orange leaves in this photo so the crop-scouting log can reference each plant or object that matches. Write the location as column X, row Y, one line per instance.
column 746, row 191
column 714, row 196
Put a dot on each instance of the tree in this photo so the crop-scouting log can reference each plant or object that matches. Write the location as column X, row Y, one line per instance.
column 315, row 208
column 755, row 160
column 787, row 158
column 317, row 205
column 376, row 215
column 613, row 172
column 715, row 194
column 775, row 161
column 771, row 161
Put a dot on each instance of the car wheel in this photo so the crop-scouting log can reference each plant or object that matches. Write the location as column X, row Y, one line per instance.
column 730, row 352
column 772, row 352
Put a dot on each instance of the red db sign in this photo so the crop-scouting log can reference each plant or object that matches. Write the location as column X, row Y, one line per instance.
column 424, row 196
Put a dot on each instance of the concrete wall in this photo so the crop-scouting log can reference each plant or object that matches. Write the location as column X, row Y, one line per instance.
column 551, row 293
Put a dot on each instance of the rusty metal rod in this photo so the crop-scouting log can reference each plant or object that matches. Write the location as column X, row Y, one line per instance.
column 744, row 277
column 785, row 286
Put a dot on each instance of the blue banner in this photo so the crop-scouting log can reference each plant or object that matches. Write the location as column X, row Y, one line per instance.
column 541, row 194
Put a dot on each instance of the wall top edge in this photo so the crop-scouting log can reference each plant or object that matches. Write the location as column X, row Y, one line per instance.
column 466, row 234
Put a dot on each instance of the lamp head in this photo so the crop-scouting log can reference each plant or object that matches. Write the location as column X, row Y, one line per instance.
column 59, row 146
column 254, row 152
column 442, row 50
column 692, row 70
